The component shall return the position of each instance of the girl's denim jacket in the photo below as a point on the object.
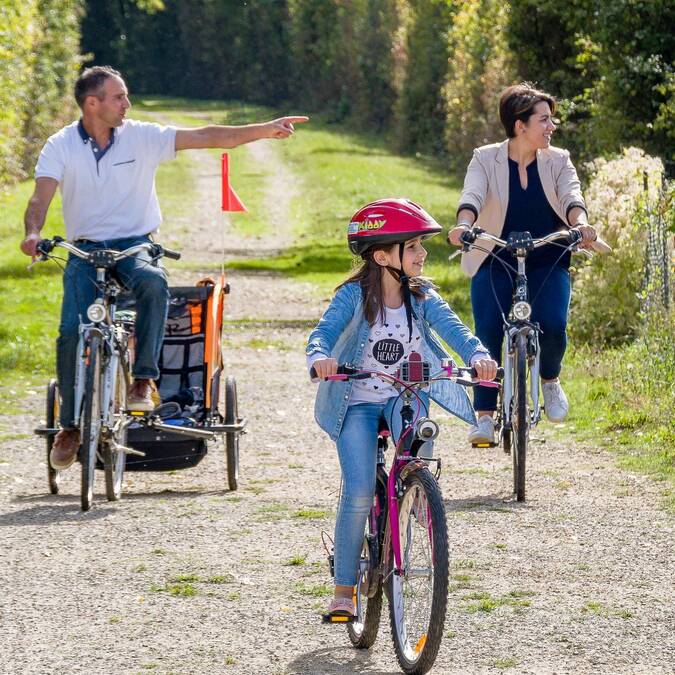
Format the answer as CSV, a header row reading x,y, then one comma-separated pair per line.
x,y
342,333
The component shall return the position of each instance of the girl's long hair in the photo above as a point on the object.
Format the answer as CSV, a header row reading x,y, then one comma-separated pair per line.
x,y
369,277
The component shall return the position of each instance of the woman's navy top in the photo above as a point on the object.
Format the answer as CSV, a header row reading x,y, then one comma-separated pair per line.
x,y
529,211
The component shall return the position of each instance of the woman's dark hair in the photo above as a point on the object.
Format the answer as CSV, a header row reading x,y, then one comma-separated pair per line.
x,y
517,103
90,82
369,277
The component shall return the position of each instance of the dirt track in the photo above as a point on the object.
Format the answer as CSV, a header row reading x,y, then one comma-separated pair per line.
x,y
184,577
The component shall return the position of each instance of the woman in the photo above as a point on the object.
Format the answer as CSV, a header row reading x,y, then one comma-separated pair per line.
x,y
522,184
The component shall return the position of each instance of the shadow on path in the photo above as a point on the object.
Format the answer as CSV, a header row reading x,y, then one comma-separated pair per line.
x,y
53,509
336,661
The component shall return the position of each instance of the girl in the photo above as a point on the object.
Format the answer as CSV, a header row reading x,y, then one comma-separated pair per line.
x,y
378,316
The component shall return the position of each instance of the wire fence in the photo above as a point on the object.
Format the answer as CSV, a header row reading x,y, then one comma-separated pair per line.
x,y
657,291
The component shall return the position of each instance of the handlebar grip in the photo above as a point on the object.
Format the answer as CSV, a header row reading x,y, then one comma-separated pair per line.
x,y
342,369
499,376
44,246
168,253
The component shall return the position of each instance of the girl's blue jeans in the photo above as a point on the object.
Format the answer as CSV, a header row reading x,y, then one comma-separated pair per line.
x,y
357,451
550,298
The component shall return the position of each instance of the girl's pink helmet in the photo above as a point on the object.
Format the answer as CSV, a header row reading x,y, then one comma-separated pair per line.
x,y
388,221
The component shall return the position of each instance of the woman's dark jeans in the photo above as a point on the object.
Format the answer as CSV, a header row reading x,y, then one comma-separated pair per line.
x,y
549,308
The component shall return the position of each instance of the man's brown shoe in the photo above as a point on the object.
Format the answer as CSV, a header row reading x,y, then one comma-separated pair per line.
x,y
64,450
139,397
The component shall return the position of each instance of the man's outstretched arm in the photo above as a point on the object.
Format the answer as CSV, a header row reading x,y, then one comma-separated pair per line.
x,y
219,136
36,212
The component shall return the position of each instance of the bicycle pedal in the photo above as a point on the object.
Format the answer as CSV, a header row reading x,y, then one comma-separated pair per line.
x,y
337,618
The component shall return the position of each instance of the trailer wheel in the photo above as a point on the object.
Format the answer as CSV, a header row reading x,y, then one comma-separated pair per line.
x,y
232,438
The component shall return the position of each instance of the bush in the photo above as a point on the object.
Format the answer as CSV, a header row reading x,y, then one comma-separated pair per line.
x,y
480,68
607,290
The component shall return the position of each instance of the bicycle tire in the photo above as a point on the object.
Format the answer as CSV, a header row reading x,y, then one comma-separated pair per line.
x,y
52,422
363,634
521,418
90,420
231,438
417,646
114,461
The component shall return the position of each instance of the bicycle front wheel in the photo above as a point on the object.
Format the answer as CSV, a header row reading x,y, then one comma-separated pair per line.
x,y
521,417
114,459
418,595
90,423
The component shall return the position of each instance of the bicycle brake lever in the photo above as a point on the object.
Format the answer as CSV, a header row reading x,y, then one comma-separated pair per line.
x,y
452,256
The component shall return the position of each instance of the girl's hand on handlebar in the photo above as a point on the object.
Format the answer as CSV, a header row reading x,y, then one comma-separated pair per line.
x,y
455,234
486,369
325,367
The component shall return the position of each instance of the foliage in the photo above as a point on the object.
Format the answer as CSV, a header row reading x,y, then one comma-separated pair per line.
x,y
613,63
480,68
606,306
421,108
38,60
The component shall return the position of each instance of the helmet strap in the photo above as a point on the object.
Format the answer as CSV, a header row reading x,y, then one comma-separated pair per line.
x,y
404,280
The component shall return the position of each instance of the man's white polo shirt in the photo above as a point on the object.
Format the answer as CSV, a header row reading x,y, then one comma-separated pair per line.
x,y
115,197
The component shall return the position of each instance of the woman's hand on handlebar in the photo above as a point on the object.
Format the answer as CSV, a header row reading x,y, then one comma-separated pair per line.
x,y
486,368
325,367
455,234
588,235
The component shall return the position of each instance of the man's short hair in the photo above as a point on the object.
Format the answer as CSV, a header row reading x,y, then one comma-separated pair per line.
x,y
90,83
517,103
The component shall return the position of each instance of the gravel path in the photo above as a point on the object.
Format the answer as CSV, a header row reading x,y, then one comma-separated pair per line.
x,y
184,577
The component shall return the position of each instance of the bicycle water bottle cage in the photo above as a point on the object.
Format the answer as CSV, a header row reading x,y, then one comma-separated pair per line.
x,y
414,369
101,258
520,241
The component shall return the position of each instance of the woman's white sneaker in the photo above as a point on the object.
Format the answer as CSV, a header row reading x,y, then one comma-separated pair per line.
x,y
483,432
556,406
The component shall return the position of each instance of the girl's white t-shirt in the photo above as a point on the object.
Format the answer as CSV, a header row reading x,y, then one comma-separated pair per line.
x,y
388,344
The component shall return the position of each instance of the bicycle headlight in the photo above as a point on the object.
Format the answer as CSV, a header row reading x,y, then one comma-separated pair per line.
x,y
522,310
96,312
426,429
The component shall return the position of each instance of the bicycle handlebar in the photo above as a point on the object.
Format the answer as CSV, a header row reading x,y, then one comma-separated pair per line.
x,y
46,246
346,371
572,236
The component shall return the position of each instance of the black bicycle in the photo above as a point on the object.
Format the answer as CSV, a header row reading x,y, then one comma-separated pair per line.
x,y
102,373
517,412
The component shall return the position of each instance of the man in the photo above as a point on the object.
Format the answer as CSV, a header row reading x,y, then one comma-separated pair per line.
x,y
105,166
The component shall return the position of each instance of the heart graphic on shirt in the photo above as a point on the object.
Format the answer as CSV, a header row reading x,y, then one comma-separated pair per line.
x,y
375,386
401,335
417,338
377,332
398,325
369,340
389,334
386,325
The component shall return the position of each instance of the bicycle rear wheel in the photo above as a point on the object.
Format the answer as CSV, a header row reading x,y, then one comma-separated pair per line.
x,y
521,417
52,422
90,424
364,633
114,459
418,596
231,438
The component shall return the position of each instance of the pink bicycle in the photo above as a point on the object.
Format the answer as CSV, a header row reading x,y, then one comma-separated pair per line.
x,y
405,549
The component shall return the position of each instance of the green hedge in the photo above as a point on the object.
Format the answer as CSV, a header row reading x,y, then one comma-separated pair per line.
x,y
39,58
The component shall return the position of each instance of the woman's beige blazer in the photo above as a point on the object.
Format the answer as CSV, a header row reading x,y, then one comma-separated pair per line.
x,y
486,191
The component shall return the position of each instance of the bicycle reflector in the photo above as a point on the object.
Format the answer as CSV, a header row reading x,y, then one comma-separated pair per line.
x,y
522,310
96,312
414,369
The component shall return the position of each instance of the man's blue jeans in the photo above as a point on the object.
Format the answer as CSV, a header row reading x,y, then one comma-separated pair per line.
x,y
550,306
357,451
148,284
